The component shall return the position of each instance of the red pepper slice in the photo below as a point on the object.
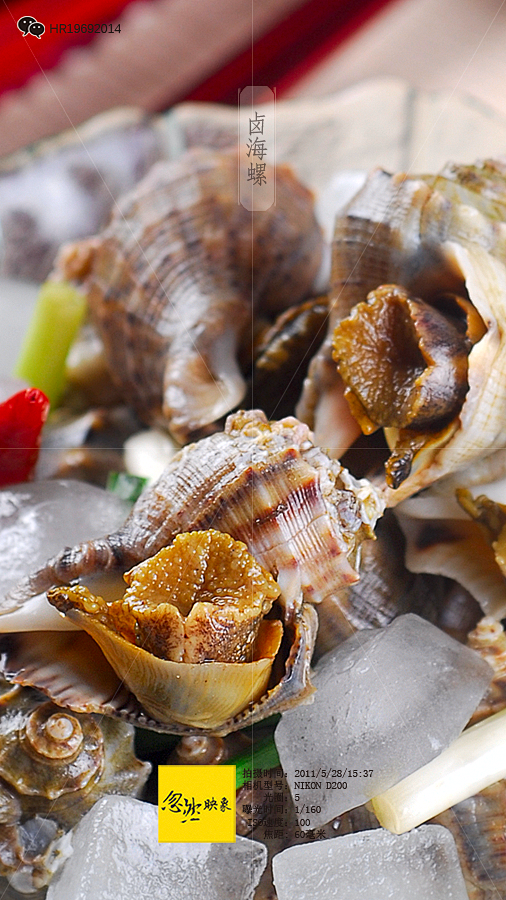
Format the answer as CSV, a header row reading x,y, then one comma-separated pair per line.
x,y
21,419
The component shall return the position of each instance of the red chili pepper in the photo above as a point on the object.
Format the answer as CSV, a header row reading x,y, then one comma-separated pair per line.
x,y
21,419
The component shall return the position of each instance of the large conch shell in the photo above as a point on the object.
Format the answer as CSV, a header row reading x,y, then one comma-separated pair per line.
x,y
303,518
301,515
175,278
434,236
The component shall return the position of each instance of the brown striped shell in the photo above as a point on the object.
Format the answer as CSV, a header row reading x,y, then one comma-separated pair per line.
x,y
489,640
301,515
281,353
434,236
303,518
174,280
477,824
386,590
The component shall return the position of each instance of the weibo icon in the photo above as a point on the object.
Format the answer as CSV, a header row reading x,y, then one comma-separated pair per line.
x,y
29,25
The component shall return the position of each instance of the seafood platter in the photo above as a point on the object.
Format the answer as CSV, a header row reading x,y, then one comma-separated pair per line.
x,y
253,510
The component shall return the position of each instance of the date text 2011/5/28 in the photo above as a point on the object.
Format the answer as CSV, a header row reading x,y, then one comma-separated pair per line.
x,y
332,773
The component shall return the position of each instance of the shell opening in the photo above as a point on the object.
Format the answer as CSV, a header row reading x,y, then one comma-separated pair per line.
x,y
404,363
201,386
190,636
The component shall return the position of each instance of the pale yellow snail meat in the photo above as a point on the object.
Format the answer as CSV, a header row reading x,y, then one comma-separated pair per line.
x,y
199,604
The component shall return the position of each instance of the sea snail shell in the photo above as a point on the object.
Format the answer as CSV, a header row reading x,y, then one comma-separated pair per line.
x,y
174,279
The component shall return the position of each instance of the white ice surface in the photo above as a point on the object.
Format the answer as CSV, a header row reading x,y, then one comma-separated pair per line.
x,y
117,857
373,865
40,518
387,701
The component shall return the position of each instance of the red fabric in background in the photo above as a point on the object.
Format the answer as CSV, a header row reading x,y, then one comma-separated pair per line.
x,y
21,57
290,50
278,59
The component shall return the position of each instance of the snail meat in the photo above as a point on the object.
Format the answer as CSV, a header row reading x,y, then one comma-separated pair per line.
x,y
302,518
189,636
440,241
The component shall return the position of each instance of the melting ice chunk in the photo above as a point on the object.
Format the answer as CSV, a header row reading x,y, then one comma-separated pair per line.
x,y
37,520
424,865
387,701
117,855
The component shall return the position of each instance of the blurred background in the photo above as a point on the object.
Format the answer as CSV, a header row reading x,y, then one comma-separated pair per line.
x,y
168,51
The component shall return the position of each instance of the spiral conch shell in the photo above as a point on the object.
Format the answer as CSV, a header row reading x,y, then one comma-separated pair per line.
x,y
302,517
54,765
173,282
442,240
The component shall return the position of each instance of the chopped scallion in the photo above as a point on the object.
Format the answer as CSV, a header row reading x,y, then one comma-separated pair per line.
x,y
127,487
261,755
58,314
474,761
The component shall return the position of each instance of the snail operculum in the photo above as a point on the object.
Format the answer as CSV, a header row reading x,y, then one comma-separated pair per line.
x,y
189,637
404,362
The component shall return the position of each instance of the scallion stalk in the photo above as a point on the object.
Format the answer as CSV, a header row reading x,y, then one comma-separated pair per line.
x,y
58,314
474,761
127,487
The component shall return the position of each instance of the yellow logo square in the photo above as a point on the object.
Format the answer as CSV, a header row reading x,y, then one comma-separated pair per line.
x,y
196,804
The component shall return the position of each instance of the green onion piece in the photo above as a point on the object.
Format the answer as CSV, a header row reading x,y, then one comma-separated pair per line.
x,y
261,755
474,761
58,314
127,487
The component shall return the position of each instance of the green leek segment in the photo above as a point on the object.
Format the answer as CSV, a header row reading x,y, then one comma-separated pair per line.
x,y
57,317
475,760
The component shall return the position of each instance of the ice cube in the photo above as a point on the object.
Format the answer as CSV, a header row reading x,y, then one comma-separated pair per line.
x,y
387,701
424,865
40,518
117,857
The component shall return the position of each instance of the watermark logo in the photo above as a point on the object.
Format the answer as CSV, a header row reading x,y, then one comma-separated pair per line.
x,y
29,25
195,803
